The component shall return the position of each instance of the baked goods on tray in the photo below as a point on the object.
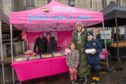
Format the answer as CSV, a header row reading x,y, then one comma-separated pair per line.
x,y
59,53
34,57
28,52
21,58
48,55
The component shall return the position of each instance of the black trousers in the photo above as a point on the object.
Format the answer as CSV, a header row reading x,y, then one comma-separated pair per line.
x,y
94,69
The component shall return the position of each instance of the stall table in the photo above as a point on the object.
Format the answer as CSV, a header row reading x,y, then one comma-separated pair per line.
x,y
27,70
113,51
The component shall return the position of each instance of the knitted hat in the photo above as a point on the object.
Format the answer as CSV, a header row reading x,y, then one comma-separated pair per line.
x,y
89,33
79,24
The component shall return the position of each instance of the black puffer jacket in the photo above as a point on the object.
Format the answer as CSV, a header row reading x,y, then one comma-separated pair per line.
x,y
51,46
41,44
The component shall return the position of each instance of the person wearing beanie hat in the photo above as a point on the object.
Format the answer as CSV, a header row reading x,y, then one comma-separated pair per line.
x,y
92,50
79,38
90,33
79,24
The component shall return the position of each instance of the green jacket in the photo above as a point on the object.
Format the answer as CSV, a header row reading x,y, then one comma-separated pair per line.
x,y
83,69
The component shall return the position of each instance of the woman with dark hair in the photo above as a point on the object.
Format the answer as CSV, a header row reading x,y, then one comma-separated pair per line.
x,y
117,36
51,43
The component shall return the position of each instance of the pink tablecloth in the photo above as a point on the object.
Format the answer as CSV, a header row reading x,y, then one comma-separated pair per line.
x,y
40,68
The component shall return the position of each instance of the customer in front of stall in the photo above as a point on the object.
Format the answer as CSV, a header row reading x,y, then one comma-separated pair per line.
x,y
117,36
98,36
72,60
79,38
40,45
51,43
92,50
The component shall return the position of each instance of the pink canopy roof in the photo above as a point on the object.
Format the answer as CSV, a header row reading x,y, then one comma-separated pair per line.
x,y
54,17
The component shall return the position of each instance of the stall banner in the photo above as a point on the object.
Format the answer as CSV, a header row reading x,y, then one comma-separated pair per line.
x,y
44,17
105,34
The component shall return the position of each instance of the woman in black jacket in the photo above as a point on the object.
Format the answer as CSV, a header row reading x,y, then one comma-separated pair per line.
x,y
51,43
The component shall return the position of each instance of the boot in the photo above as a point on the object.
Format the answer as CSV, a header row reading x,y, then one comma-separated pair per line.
x,y
74,82
85,80
98,80
95,80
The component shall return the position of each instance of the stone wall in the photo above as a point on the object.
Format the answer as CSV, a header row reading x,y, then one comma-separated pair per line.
x,y
7,6
18,5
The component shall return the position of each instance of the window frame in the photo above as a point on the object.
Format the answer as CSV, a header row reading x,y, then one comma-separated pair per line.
x,y
48,1
69,2
29,3
104,3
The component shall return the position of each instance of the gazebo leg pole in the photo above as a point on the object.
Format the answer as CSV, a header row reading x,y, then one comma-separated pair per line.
x,y
12,54
2,60
105,44
118,57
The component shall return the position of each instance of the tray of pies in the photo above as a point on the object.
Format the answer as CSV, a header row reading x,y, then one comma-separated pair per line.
x,y
59,53
34,57
47,55
21,58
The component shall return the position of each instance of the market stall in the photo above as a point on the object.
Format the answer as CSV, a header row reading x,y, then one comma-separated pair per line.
x,y
27,70
57,18
114,16
122,47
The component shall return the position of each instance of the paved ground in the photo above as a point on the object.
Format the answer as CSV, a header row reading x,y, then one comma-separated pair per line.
x,y
114,77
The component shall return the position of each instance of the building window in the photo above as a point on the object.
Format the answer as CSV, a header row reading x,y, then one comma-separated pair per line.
x,y
118,2
49,1
18,5
29,3
71,2
104,3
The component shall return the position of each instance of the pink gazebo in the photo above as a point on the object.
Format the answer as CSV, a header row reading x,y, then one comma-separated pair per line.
x,y
53,17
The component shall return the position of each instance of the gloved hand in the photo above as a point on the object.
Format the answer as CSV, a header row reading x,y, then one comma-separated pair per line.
x,y
67,51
